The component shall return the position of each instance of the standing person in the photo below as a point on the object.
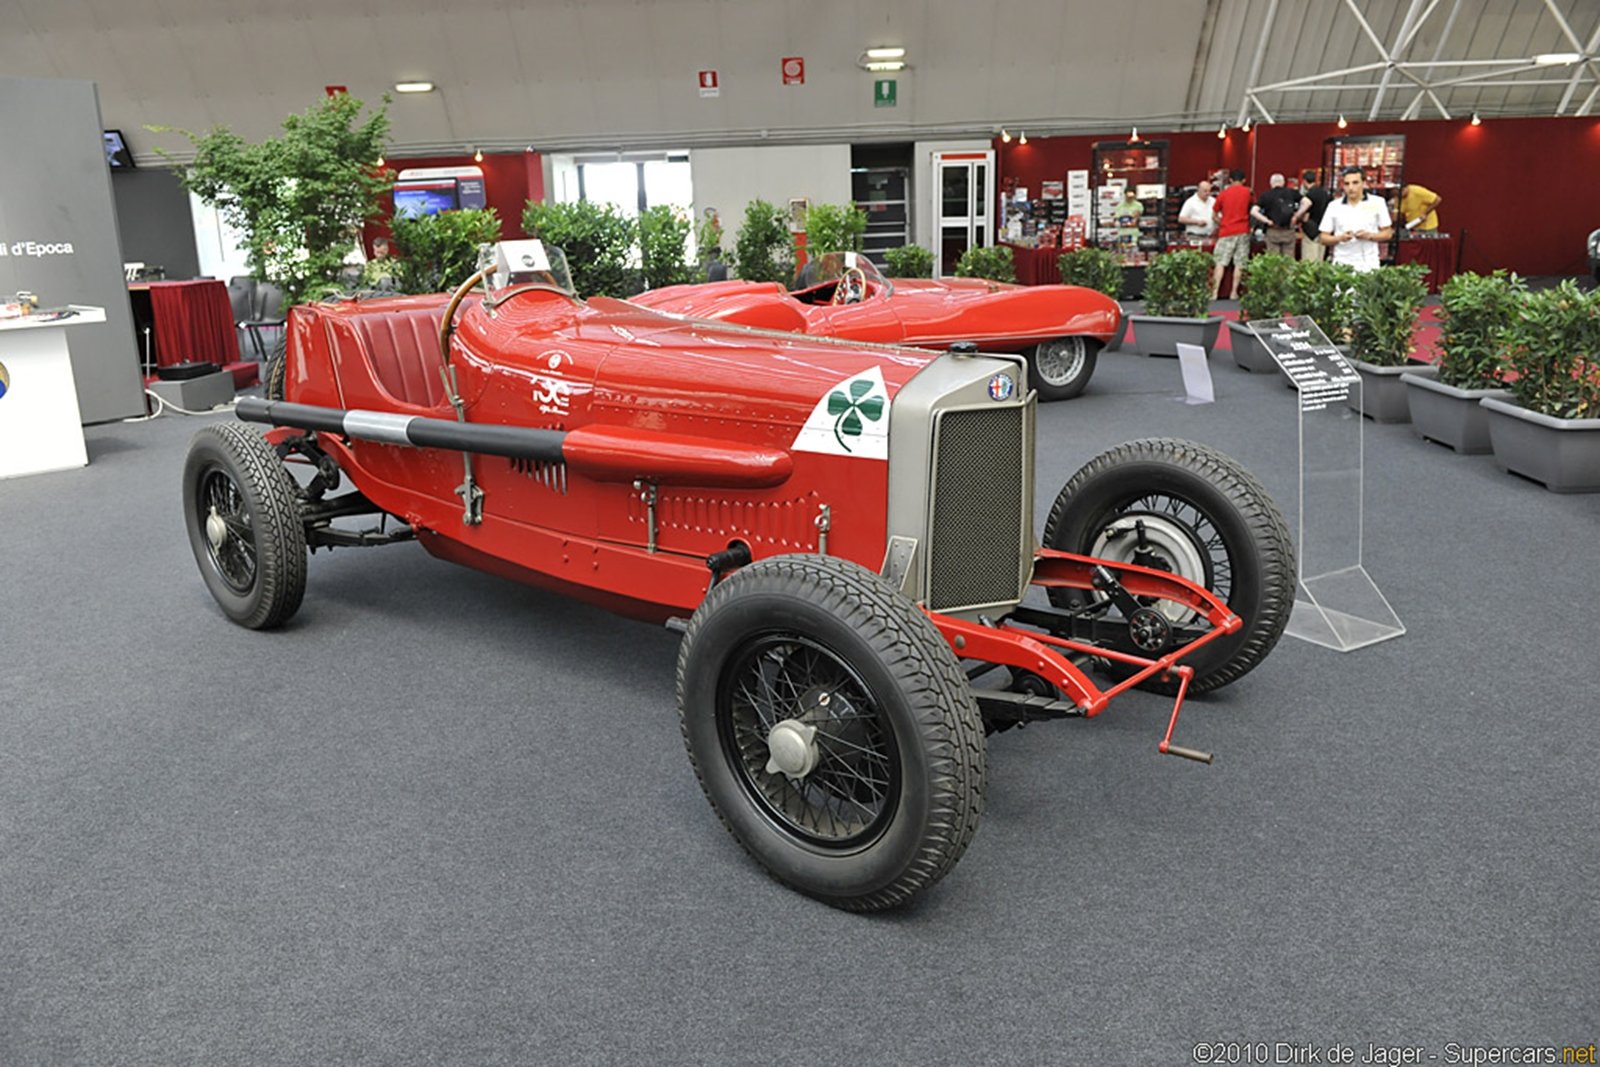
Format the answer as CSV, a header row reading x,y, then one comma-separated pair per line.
x,y
1419,207
1198,214
1313,203
1276,210
1353,225
1127,214
1233,233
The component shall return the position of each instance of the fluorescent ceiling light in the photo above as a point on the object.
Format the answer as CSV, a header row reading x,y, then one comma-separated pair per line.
x,y
1556,59
886,53
413,87
886,64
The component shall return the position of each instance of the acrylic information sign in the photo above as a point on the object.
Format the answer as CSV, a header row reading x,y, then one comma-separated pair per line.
x,y
1337,604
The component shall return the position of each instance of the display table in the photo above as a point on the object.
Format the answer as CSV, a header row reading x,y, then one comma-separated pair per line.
x,y
40,429
1036,266
1438,254
189,322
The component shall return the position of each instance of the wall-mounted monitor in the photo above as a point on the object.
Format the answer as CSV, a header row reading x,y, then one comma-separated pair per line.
x,y
414,199
118,155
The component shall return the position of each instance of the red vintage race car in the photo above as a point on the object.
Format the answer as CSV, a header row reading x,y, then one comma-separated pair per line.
x,y
842,532
1059,329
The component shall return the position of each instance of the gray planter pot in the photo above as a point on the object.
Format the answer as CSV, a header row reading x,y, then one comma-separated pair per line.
x,y
1561,454
1450,416
1248,351
1160,335
1383,394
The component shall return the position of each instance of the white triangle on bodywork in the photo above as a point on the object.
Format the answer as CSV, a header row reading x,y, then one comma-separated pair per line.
x,y
828,429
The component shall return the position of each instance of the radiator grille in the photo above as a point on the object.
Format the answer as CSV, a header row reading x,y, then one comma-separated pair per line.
x,y
979,494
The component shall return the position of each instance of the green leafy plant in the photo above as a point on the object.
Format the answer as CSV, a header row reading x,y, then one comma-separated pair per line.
x,y
1325,293
1386,304
994,263
1178,284
908,261
1553,345
597,238
1474,310
708,239
1092,268
765,250
834,228
435,253
298,199
664,246
1266,287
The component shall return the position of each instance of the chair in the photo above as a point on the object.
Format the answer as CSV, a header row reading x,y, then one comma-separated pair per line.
x,y
266,316
242,299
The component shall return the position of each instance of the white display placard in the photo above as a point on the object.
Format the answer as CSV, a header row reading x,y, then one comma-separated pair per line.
x,y
40,428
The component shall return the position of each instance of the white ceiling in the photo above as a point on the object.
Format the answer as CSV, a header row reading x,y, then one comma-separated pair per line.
x,y
618,74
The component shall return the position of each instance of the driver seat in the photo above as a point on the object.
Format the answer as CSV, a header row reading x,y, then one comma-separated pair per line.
x,y
402,347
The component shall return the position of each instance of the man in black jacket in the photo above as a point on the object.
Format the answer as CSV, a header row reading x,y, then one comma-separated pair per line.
x,y
1313,202
1276,210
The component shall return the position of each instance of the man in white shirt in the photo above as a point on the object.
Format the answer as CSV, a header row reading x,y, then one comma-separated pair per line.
x,y
1196,214
1352,227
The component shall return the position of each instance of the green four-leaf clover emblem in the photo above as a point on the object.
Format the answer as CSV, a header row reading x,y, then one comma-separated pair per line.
x,y
848,411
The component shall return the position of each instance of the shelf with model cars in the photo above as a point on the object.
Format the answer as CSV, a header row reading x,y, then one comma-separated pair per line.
x,y
1118,168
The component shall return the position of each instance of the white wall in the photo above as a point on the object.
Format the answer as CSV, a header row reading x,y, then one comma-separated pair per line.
x,y
729,178
922,186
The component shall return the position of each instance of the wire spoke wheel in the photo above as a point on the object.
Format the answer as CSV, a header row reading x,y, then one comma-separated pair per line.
x,y
230,535
844,798
1060,369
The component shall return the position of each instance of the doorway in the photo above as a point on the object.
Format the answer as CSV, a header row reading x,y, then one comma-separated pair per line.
x,y
962,218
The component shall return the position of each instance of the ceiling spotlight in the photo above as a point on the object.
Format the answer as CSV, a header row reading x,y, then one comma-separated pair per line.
x,y
413,87
477,155
1246,127
1222,133
381,160
1476,121
1135,137
886,53
1342,122
1023,138
1556,59
1005,135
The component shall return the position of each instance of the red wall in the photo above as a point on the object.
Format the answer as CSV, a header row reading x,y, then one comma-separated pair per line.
x,y
1523,192
509,181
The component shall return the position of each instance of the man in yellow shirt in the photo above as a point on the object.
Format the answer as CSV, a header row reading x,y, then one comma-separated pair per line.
x,y
1419,207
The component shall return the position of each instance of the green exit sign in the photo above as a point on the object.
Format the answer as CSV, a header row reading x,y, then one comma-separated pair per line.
x,y
883,91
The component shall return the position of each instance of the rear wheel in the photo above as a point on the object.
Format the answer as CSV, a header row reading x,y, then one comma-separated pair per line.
x,y
1060,369
244,524
1190,510
832,730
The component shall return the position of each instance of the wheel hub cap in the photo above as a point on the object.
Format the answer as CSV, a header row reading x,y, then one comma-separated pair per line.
x,y
792,749
1155,541
216,529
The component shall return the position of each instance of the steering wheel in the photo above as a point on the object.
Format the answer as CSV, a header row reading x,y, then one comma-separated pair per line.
x,y
852,287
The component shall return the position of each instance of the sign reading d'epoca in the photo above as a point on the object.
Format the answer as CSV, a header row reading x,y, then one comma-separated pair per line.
x,y
36,248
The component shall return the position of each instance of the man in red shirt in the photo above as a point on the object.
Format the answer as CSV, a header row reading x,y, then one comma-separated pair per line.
x,y
1233,232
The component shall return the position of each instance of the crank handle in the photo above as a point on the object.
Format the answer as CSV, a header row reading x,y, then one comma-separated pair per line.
x,y
1187,753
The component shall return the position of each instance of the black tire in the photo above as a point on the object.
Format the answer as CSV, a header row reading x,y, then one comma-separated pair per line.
x,y
1060,369
1205,518
253,556
897,786
276,370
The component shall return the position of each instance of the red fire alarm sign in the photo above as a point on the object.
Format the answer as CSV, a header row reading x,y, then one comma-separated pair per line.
x,y
794,70
708,83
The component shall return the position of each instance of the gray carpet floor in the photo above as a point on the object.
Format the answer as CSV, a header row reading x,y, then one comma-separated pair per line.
x,y
444,819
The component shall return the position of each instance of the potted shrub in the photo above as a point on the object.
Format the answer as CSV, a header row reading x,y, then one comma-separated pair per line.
x,y
1551,432
1092,268
834,228
908,261
664,246
764,249
1474,311
597,238
1177,295
436,253
1383,325
994,263
1265,296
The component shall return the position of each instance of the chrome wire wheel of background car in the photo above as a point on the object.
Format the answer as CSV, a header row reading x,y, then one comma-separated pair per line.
x,y
1187,509
832,730
811,747
244,524
1060,369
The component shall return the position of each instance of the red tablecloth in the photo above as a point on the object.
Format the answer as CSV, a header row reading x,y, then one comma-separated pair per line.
x,y
193,322
1438,254
1036,266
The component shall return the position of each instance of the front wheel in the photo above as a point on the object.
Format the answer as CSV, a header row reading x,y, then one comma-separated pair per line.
x,y
1190,510
1060,369
832,730
244,525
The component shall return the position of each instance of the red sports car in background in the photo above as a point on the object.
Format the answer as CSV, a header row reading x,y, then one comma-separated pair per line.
x,y
1059,328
